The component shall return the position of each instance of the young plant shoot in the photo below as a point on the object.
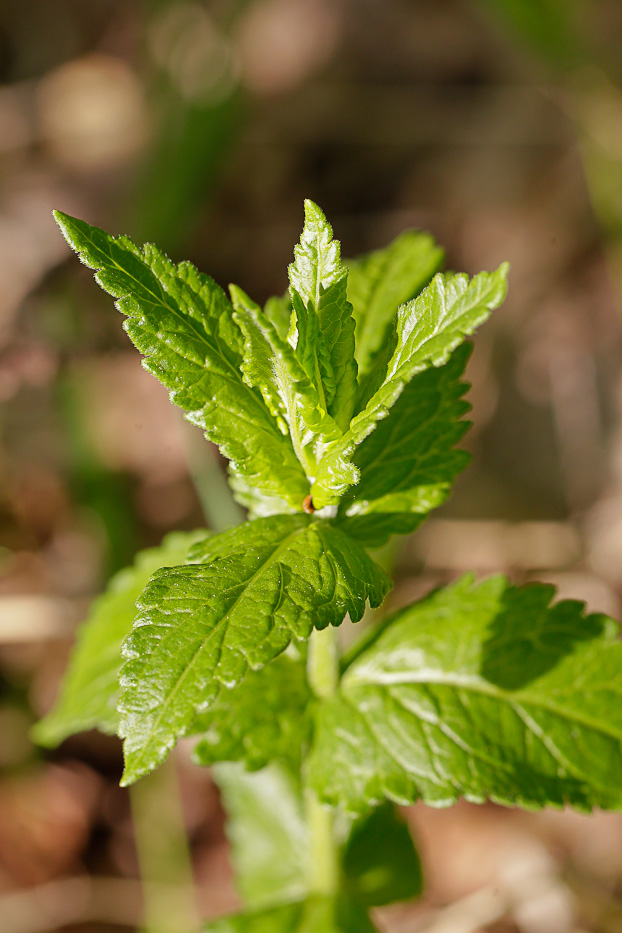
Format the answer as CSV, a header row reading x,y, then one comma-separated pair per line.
x,y
338,407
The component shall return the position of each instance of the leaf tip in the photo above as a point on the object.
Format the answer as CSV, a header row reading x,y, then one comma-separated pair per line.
x,y
44,734
76,232
66,224
313,212
503,272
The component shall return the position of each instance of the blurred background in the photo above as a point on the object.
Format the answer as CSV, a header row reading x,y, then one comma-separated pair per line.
x,y
495,124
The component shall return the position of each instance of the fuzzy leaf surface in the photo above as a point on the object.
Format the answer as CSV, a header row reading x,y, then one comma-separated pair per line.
x,y
182,323
318,285
381,281
265,717
483,691
90,691
427,332
409,463
251,592
314,915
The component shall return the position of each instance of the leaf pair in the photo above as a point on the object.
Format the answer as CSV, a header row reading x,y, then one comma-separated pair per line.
x,y
486,691
277,389
483,691
247,594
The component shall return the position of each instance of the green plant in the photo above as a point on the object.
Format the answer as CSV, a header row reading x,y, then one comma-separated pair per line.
x,y
338,408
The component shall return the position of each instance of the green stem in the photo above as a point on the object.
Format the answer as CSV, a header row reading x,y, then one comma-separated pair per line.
x,y
163,854
323,674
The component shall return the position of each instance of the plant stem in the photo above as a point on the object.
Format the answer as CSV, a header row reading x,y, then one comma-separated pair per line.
x,y
323,674
323,662
163,854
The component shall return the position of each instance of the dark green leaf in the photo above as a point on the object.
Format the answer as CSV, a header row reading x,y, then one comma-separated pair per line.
x,y
267,716
409,462
201,626
90,691
486,692
380,862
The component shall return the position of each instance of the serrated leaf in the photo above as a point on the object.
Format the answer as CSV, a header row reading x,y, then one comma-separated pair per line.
x,y
381,281
270,364
314,915
428,330
200,627
380,863
90,690
408,464
182,323
265,717
319,279
267,832
485,692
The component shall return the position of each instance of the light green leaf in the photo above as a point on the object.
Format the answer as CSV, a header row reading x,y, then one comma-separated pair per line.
x,y
258,504
380,863
200,627
485,692
267,716
90,690
278,310
271,851
270,364
267,832
312,352
319,279
408,464
381,281
315,915
428,330
182,323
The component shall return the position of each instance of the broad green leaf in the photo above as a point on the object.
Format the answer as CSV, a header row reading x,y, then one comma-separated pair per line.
x,y
483,691
315,915
380,282
270,365
319,279
267,716
254,590
380,862
428,330
408,464
90,690
182,323
267,832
